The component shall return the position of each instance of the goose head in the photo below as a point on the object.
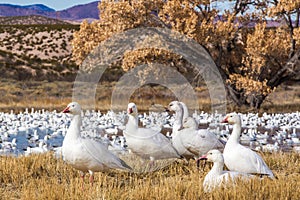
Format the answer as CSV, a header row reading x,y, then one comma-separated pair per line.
x,y
73,108
132,109
213,155
232,118
175,106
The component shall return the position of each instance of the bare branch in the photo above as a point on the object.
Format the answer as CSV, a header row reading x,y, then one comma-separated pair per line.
x,y
289,68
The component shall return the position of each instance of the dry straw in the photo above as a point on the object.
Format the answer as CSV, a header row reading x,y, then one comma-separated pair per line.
x,y
45,177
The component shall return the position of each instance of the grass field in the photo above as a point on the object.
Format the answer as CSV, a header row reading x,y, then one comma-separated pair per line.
x,y
18,95
45,177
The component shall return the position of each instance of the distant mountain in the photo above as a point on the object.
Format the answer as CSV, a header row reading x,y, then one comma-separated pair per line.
x,y
16,10
40,7
78,12
75,13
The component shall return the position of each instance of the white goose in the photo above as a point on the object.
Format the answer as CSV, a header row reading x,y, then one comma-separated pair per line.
x,y
238,157
216,177
188,140
86,154
146,142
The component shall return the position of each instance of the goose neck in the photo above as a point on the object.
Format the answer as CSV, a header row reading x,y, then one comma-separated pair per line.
x,y
217,168
74,129
178,120
132,122
236,131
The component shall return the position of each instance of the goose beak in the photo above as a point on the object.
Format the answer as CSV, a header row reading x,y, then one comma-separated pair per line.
x,y
204,157
130,110
167,109
225,120
66,110
201,158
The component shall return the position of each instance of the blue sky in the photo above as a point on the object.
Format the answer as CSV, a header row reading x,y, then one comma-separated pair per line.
x,y
55,4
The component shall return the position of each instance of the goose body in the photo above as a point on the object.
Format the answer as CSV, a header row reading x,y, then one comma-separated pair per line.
x,y
146,142
86,154
217,177
240,158
188,140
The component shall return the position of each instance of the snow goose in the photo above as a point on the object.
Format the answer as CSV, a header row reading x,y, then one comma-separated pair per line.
x,y
216,177
188,140
42,148
86,154
146,142
182,118
238,157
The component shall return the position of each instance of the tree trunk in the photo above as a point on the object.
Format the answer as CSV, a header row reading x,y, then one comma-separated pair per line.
x,y
257,100
238,97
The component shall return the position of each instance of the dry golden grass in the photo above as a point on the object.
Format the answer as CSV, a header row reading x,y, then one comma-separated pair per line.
x,y
45,177
17,95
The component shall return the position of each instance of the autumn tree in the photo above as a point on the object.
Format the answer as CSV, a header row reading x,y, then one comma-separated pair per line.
x,y
252,57
271,52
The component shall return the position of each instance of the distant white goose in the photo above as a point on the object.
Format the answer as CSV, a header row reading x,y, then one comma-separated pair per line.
x,y
188,140
42,148
146,142
238,157
216,177
86,154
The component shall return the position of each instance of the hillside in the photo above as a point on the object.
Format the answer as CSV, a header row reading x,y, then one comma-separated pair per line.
x,y
37,52
30,20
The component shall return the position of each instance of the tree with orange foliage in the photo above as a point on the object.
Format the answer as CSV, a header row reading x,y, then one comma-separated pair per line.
x,y
252,59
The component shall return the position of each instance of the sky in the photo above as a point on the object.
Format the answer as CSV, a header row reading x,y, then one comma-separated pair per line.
x,y
55,4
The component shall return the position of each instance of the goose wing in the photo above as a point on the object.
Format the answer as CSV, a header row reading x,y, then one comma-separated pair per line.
x,y
102,155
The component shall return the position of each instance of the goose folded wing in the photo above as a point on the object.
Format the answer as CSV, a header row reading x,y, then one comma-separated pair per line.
x,y
101,154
